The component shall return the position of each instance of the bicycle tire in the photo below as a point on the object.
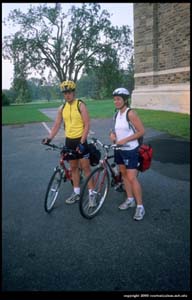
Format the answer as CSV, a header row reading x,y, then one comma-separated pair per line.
x,y
52,190
100,177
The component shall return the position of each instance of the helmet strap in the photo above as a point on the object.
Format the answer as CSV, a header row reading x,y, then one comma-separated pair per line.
x,y
122,106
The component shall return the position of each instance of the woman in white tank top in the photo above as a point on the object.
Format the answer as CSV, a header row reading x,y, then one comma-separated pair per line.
x,y
128,128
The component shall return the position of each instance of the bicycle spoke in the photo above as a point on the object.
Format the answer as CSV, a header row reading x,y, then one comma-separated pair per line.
x,y
100,179
52,190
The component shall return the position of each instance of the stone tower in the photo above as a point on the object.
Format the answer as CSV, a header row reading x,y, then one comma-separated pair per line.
x,y
162,56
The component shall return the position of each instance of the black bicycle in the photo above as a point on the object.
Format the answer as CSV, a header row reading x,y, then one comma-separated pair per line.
x,y
62,173
102,177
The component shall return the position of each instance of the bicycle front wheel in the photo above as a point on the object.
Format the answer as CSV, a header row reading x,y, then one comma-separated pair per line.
x,y
52,190
91,205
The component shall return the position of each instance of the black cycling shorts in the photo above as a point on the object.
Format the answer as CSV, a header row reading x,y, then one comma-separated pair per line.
x,y
72,144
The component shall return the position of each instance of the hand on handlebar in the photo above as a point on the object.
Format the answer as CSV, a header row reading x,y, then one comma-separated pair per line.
x,y
116,146
46,141
81,148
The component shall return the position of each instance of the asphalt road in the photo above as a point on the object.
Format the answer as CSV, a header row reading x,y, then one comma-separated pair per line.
x,y
62,251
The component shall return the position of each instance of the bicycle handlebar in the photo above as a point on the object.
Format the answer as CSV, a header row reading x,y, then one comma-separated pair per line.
x,y
62,148
105,146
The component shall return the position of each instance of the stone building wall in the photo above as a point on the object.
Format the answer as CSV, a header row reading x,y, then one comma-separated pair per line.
x,y
162,56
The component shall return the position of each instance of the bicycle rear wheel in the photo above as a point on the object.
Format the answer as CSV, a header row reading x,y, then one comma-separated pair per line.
x,y
100,178
52,190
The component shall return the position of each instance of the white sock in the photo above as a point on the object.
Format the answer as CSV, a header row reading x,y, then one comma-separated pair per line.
x,y
129,199
90,191
77,190
140,205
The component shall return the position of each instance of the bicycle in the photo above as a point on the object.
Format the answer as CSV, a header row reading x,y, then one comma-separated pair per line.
x,y
62,172
101,176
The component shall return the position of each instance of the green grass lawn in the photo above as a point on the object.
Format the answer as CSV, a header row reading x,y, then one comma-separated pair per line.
x,y
173,123
176,124
26,113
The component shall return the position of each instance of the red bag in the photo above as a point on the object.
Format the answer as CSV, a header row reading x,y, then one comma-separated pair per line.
x,y
145,157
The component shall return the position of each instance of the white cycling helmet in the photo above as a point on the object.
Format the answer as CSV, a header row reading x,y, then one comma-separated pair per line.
x,y
122,92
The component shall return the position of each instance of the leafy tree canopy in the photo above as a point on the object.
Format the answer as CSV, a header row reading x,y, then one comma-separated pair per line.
x,y
66,43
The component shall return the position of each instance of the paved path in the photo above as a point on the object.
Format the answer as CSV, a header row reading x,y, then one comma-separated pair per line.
x,y
65,252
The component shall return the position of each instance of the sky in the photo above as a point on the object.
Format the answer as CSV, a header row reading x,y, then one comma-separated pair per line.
x,y
121,14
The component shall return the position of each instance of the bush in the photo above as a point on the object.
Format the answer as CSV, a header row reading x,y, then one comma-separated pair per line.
x,y
5,100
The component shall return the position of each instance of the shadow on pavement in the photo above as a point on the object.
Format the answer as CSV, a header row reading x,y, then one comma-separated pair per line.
x,y
171,151
171,157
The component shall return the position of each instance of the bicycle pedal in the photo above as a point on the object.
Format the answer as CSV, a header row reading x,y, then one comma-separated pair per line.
x,y
118,188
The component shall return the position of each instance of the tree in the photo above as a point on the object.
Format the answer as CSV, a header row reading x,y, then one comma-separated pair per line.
x,y
108,74
131,80
10,93
34,85
48,41
5,100
88,86
22,91
20,85
128,80
41,90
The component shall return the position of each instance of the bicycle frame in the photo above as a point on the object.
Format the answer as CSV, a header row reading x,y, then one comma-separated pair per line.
x,y
64,151
102,177
61,172
115,180
67,171
105,161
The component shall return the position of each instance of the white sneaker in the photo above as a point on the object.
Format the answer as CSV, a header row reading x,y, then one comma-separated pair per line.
x,y
92,200
126,204
73,198
139,213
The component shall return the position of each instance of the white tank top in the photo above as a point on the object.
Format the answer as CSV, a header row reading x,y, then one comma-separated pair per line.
x,y
123,130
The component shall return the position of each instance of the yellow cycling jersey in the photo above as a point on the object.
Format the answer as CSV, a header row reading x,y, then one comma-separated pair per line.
x,y
73,121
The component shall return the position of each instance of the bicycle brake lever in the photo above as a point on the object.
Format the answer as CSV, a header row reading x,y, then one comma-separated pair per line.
x,y
113,146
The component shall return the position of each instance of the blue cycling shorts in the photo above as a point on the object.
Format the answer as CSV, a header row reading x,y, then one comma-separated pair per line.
x,y
129,158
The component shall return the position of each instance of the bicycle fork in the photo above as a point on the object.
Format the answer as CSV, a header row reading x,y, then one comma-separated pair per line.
x,y
99,183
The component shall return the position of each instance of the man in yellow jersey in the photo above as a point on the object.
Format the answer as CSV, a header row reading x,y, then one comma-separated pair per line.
x,y
76,120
